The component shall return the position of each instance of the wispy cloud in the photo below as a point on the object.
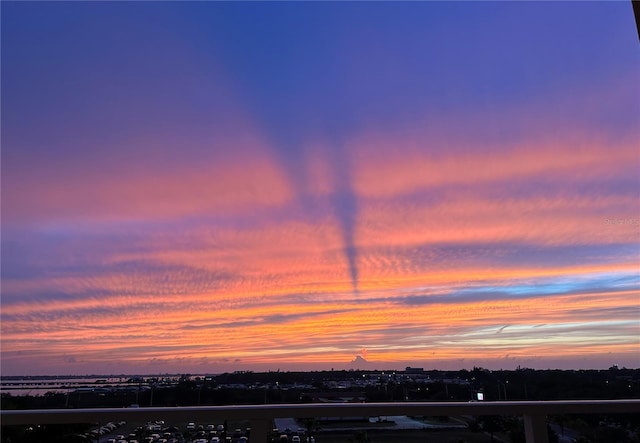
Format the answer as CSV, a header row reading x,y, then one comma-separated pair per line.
x,y
289,201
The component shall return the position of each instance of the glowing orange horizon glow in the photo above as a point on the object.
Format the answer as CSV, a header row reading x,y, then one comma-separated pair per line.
x,y
364,201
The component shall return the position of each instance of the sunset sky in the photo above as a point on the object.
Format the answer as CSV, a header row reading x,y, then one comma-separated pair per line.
x,y
207,187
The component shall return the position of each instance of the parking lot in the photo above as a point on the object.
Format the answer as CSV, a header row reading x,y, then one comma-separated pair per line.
x,y
184,432
239,432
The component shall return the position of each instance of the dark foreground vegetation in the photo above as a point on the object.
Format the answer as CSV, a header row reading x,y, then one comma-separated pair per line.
x,y
412,384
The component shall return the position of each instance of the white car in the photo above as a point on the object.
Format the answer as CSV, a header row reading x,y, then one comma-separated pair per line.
x,y
191,426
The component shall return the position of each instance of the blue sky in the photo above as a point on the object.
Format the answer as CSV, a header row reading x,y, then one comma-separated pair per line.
x,y
218,186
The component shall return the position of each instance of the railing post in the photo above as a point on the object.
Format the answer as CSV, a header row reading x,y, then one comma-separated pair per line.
x,y
535,428
259,430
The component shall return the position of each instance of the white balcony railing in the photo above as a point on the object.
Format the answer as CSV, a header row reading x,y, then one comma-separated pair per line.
x,y
261,416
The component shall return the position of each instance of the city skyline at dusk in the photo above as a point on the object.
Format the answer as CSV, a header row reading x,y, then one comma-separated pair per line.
x,y
214,186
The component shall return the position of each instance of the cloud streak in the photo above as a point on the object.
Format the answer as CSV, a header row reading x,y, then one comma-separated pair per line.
x,y
286,185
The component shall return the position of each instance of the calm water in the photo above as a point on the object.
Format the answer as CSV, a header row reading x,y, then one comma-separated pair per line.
x,y
17,386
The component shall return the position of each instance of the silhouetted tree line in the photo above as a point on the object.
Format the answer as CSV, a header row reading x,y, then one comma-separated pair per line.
x,y
299,387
